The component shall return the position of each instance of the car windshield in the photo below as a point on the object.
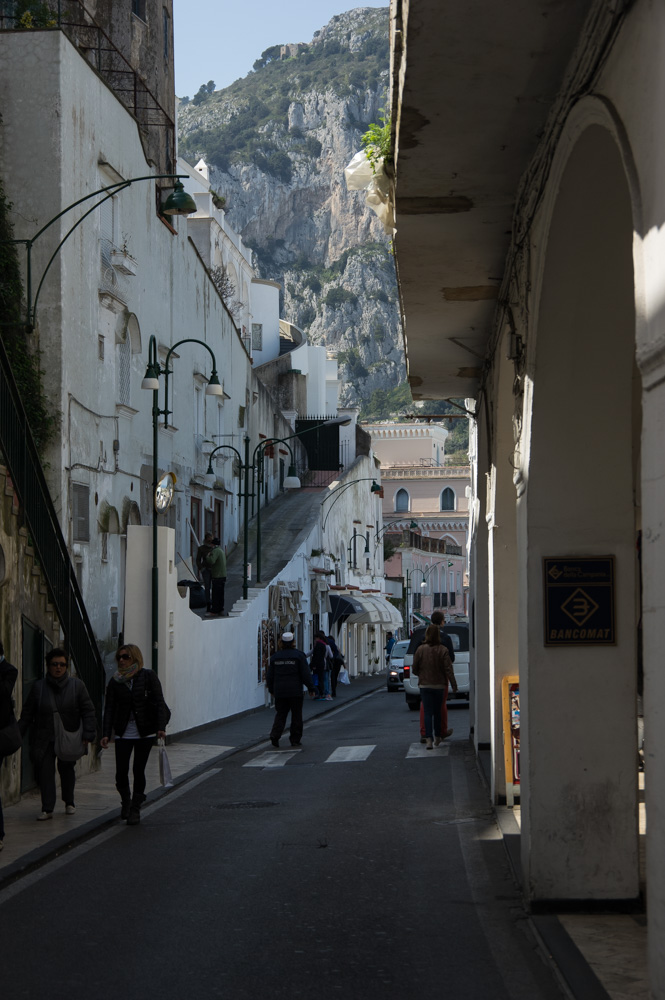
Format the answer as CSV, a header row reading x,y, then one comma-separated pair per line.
x,y
399,649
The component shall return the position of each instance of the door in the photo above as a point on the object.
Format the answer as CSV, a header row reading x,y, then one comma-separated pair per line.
x,y
35,647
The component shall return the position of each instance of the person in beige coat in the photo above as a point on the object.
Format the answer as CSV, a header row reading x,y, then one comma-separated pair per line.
x,y
434,669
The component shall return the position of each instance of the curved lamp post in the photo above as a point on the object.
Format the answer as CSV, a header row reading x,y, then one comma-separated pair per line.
x,y
375,488
178,203
291,482
151,383
352,542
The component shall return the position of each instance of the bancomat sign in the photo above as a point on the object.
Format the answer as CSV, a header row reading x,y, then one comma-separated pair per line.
x,y
579,601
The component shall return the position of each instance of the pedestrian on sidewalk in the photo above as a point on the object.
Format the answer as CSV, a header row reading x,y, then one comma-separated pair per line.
x,y
437,619
136,712
57,693
216,561
205,575
321,658
390,642
433,668
8,675
337,664
287,673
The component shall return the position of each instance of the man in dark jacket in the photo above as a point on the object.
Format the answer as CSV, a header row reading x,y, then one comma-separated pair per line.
x,y
8,675
287,673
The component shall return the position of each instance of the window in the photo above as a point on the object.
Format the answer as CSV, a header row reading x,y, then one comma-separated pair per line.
x,y
138,8
195,521
447,499
114,623
452,598
257,336
81,512
416,602
165,21
100,347
401,501
198,409
105,546
124,371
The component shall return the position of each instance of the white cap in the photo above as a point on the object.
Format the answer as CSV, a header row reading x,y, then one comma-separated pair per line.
x,y
287,636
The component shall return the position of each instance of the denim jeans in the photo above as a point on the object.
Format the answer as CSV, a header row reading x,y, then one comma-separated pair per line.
x,y
432,699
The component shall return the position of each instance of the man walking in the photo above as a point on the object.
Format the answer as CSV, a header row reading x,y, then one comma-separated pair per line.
x,y
436,618
287,672
216,562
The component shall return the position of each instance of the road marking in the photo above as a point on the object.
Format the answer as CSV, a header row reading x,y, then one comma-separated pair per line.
x,y
343,754
77,852
274,758
420,750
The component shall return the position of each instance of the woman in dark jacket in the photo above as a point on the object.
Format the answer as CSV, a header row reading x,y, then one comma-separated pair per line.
x,y
136,711
68,696
433,668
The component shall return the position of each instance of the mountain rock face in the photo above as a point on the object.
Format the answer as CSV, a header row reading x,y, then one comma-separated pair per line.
x,y
277,143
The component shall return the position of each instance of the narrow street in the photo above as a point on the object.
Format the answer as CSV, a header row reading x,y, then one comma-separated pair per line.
x,y
363,865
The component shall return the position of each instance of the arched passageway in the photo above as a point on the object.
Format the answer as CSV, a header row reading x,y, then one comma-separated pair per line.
x,y
579,747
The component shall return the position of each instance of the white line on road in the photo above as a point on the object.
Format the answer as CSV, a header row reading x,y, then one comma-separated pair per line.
x,y
276,758
77,852
343,754
420,750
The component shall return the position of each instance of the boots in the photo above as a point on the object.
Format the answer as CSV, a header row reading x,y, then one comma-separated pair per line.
x,y
126,804
134,817
428,743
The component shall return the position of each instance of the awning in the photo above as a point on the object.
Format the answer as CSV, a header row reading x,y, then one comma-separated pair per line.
x,y
343,605
376,611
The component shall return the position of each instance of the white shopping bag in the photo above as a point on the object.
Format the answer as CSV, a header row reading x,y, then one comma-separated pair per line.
x,y
164,767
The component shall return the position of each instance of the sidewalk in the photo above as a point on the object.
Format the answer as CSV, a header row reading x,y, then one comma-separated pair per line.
x,y
29,844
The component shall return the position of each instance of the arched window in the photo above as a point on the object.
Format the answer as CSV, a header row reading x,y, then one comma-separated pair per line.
x,y
401,501
447,499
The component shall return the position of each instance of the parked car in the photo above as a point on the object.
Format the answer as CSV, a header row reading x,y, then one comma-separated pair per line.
x,y
396,664
458,632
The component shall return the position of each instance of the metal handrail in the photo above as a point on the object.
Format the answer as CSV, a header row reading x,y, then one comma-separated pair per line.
x,y
22,460
72,17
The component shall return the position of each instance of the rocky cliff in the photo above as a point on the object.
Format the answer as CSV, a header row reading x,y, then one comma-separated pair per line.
x,y
277,142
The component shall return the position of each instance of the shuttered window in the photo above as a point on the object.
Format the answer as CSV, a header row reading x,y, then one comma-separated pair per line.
x,y
81,512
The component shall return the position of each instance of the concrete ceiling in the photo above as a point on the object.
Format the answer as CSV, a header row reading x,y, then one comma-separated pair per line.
x,y
474,82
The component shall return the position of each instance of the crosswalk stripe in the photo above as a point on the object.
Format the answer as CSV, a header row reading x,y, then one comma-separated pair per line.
x,y
344,754
420,750
271,759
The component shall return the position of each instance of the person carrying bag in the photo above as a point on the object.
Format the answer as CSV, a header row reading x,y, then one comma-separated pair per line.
x,y
62,717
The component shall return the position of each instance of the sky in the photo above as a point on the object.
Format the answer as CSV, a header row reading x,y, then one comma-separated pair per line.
x,y
221,39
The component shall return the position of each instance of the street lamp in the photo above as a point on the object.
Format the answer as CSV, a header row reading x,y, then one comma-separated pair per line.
x,y
291,482
159,505
352,541
175,204
375,488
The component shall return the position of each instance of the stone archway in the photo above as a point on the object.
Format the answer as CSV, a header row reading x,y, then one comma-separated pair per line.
x,y
579,776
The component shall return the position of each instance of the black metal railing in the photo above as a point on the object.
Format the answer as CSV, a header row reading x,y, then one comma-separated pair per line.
x,y
22,460
98,49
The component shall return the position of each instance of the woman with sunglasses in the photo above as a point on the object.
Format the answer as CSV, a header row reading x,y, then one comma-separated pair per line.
x,y
136,712
57,693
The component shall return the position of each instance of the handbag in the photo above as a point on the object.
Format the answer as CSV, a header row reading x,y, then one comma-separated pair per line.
x,y
10,738
344,676
68,746
165,778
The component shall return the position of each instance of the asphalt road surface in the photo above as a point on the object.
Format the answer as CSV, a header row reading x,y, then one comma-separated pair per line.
x,y
363,866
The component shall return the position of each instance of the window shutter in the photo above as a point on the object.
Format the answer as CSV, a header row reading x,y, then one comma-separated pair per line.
x,y
81,512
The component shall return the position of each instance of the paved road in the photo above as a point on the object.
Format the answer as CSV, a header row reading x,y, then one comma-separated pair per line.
x,y
362,866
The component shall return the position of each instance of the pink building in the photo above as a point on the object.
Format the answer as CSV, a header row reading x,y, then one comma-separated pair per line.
x,y
425,514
